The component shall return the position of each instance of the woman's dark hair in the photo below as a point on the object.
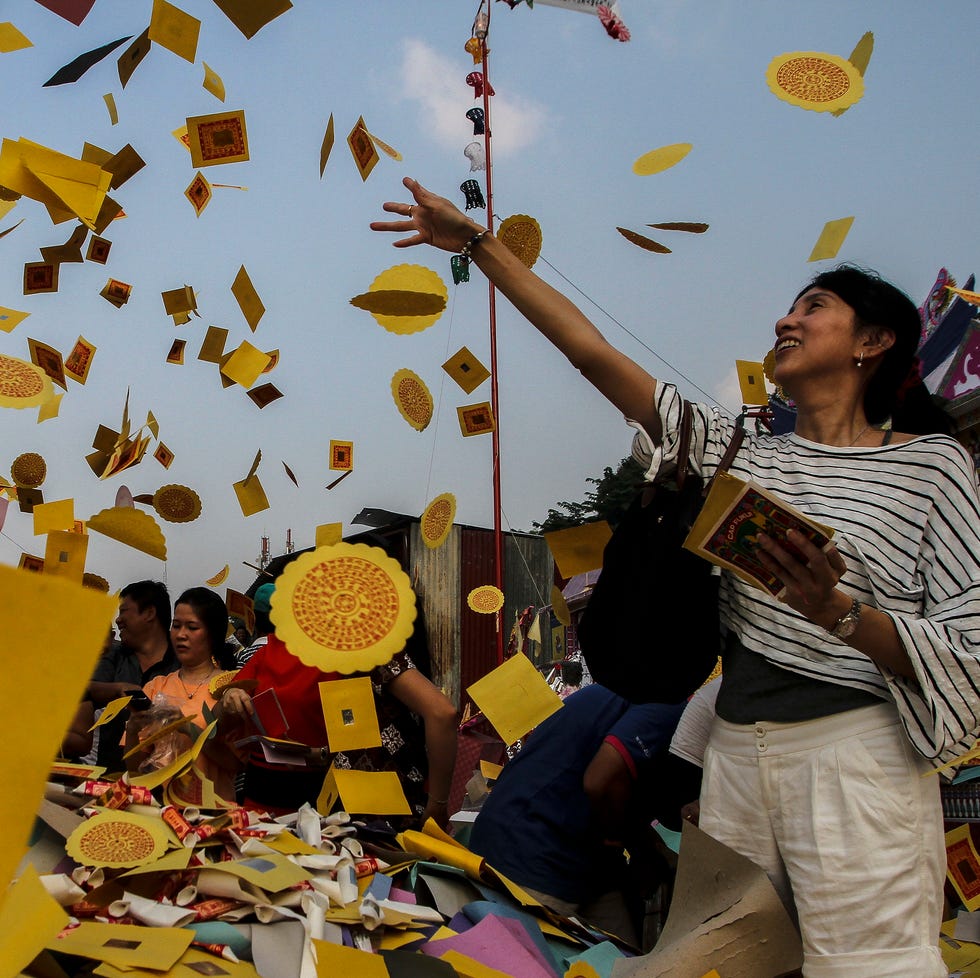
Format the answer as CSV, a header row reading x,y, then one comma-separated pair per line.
x,y
209,607
571,672
894,390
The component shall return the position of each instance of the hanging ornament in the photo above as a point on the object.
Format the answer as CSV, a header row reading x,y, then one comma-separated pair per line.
x,y
614,26
460,269
474,195
475,80
477,117
475,154
472,46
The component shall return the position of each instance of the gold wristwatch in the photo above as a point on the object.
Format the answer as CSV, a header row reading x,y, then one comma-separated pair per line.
x,y
845,625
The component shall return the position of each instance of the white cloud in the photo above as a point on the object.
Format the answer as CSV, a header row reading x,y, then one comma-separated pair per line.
x,y
436,84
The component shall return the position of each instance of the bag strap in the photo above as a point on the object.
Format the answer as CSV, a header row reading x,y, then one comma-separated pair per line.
x,y
726,460
684,444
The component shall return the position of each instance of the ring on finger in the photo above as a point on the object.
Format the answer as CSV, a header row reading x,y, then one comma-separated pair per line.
x,y
411,207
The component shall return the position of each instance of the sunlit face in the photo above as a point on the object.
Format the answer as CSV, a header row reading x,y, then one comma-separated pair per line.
x,y
817,337
190,637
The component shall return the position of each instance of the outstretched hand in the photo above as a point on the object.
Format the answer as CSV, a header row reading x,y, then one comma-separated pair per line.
x,y
429,220
811,582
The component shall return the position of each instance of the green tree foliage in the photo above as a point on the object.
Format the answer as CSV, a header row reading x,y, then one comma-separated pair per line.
x,y
608,501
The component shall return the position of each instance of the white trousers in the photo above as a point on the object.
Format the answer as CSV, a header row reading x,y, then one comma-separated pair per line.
x,y
837,812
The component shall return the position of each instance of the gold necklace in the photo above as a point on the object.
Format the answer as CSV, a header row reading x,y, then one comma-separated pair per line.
x,y
191,694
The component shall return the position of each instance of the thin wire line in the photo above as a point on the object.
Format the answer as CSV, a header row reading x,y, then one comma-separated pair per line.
x,y
633,335
13,541
527,566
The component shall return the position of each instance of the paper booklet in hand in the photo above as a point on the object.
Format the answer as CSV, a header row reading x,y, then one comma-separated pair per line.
x,y
735,512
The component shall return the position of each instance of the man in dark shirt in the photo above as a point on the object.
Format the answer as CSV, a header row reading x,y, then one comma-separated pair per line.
x,y
583,787
142,652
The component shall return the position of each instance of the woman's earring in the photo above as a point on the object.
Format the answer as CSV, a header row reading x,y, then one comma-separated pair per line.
x,y
860,362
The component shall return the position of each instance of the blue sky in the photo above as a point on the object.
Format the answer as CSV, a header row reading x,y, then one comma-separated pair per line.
x,y
573,109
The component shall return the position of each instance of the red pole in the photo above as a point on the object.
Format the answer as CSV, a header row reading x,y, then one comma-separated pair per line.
x,y
498,538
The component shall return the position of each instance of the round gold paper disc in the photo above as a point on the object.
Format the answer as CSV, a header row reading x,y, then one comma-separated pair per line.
x,y
346,607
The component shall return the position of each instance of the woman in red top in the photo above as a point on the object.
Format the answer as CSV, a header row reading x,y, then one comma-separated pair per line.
x,y
417,721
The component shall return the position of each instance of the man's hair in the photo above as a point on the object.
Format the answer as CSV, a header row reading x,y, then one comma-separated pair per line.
x,y
146,594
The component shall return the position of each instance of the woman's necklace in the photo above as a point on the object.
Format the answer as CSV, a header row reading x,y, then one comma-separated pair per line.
x,y
191,693
860,435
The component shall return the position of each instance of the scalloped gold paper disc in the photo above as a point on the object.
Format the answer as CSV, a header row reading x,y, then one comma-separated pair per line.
x,y
177,504
132,527
485,599
29,470
22,384
437,520
346,607
412,398
815,81
117,840
521,234
96,582
410,278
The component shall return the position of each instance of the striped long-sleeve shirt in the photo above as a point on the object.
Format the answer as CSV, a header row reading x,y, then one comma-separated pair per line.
x,y
907,517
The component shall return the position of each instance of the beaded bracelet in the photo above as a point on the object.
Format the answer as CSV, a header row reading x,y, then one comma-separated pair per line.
x,y
467,249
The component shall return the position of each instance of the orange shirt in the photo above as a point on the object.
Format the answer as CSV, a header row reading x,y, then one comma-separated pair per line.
x,y
192,706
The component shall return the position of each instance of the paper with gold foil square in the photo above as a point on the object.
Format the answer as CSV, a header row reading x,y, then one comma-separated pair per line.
x,y
199,193
831,239
363,792
476,419
123,165
70,251
64,554
213,347
31,563
98,249
116,292
466,370
10,319
176,354
326,146
250,16
514,697
40,277
328,534
64,626
163,455
179,300
362,148
56,515
213,83
172,28
349,714
341,455
217,138
130,59
247,298
251,496
752,382
49,360
264,394
577,549
78,363
50,408
245,364
12,39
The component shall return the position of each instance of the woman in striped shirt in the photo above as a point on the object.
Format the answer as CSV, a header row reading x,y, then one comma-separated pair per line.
x,y
838,699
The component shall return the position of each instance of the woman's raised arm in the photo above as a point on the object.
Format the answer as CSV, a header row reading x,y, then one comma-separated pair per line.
x,y
436,221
